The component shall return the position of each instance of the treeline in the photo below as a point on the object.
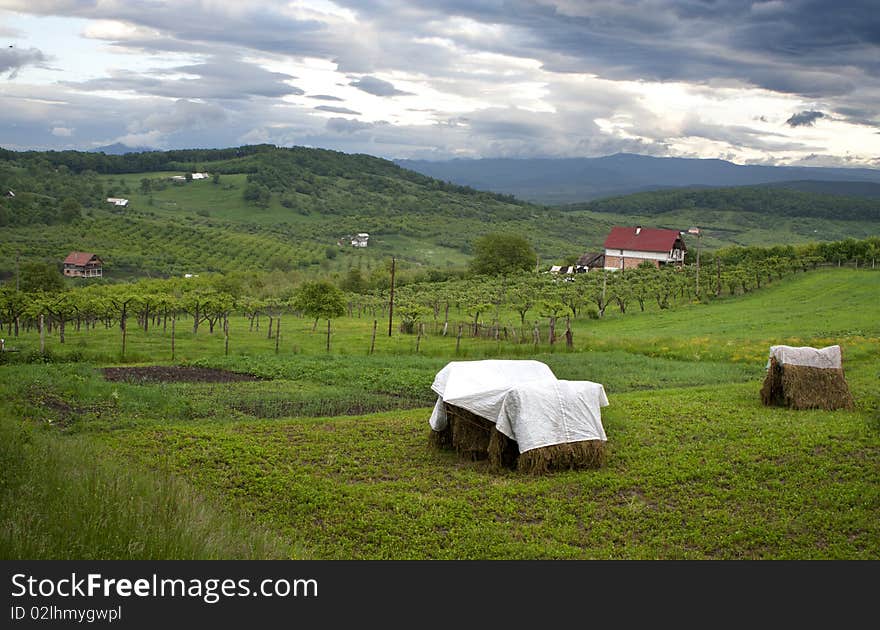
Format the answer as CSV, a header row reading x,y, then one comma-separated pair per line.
x,y
847,251
507,307
278,169
141,162
765,200
38,194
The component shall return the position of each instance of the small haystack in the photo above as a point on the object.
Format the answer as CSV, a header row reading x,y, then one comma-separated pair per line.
x,y
806,378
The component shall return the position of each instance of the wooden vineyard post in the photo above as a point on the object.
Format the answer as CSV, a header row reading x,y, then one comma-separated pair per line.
x,y
419,338
43,336
173,323
277,332
328,335
569,341
391,299
458,339
536,335
373,340
226,336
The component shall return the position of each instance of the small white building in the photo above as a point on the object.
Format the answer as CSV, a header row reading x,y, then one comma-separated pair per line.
x,y
200,176
360,240
117,201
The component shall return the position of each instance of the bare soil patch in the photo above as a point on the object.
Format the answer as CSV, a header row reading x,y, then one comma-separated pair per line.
x,y
174,374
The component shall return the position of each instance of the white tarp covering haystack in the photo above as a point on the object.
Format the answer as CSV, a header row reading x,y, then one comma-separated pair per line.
x,y
806,378
484,407
825,358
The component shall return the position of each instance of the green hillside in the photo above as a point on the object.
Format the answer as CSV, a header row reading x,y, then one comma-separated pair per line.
x,y
270,208
266,208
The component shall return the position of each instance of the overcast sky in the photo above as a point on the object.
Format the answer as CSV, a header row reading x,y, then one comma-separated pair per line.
x,y
778,81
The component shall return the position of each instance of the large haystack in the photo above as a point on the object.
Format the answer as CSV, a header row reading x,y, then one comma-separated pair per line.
x,y
475,438
806,378
569,456
517,415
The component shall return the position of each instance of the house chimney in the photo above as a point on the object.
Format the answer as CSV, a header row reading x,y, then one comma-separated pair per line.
x,y
638,229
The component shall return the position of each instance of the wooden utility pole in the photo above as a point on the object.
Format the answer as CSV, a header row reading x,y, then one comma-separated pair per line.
x,y
391,299
699,247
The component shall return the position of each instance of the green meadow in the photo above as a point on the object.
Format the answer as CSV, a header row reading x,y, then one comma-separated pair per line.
x,y
326,455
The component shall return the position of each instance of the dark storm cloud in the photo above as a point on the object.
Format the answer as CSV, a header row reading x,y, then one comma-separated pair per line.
x,y
13,59
805,47
215,79
785,46
336,110
804,119
377,87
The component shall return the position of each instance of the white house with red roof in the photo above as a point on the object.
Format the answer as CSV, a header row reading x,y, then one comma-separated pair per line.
x,y
628,247
83,265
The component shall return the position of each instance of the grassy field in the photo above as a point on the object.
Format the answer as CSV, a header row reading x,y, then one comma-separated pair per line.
x,y
327,456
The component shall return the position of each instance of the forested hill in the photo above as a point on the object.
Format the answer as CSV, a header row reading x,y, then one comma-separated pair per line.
x,y
274,167
771,201
42,187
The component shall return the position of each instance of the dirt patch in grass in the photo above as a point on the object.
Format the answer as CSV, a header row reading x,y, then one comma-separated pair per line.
x,y
62,413
175,374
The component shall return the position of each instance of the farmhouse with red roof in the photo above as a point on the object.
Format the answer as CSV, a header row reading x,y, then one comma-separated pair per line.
x,y
83,265
628,247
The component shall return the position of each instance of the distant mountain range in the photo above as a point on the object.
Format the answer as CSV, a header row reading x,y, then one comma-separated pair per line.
x,y
572,180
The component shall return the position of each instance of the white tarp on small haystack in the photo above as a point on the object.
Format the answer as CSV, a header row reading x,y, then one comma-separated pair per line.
x,y
524,399
825,358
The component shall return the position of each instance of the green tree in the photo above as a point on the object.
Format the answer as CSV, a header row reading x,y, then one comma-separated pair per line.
x,y
37,276
501,254
320,300
69,210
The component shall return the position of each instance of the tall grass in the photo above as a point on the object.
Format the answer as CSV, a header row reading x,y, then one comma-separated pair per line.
x,y
64,497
